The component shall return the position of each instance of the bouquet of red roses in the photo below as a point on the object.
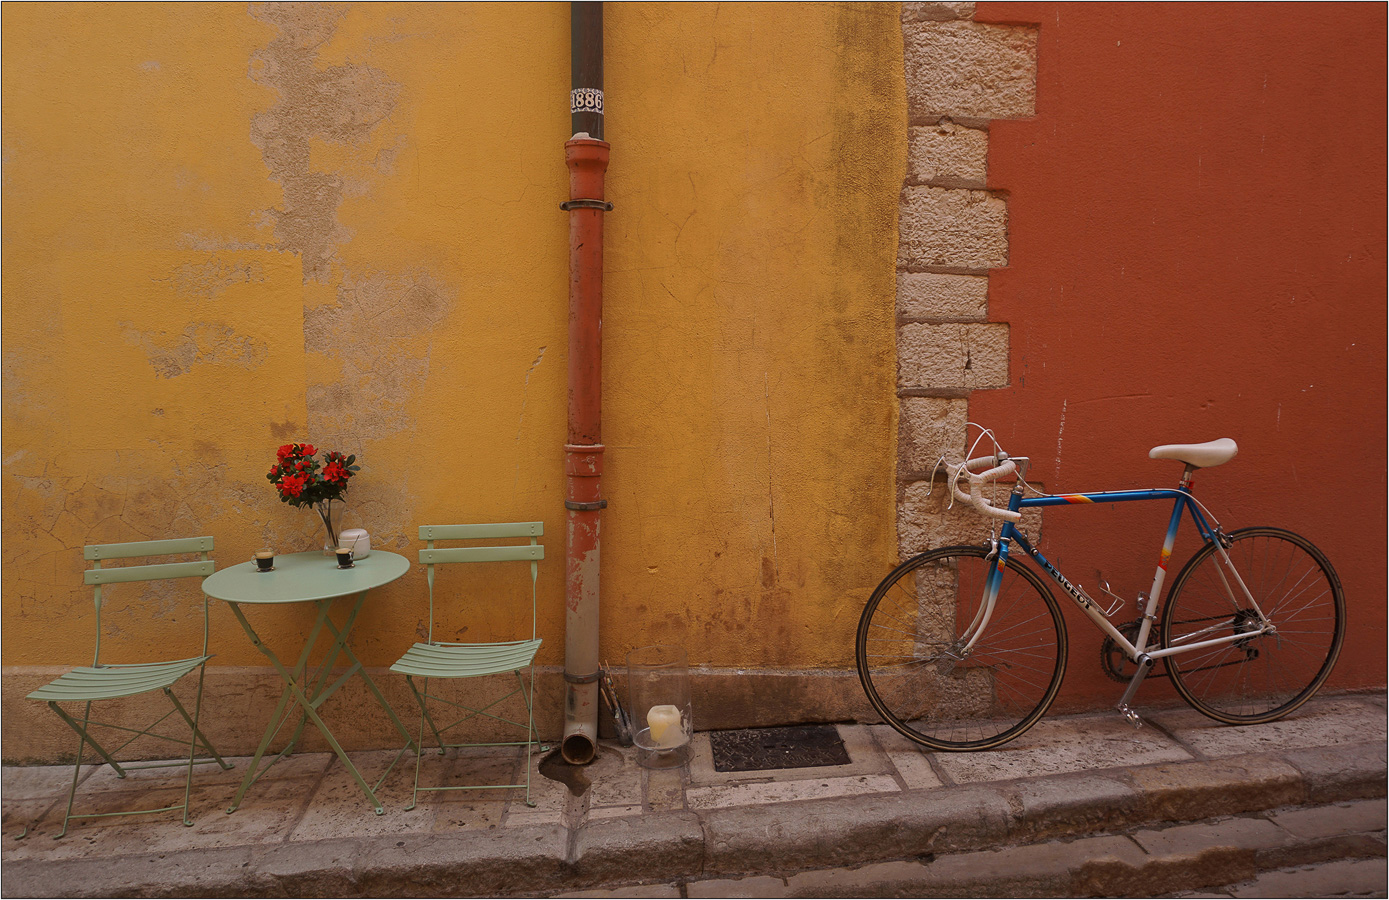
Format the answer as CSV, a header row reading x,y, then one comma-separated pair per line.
x,y
303,481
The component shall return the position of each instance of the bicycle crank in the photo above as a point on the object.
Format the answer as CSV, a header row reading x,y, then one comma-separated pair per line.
x,y
1114,662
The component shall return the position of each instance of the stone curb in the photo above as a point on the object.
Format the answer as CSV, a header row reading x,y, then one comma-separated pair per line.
x,y
874,830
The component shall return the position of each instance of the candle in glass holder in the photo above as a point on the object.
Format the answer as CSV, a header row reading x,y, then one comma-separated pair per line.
x,y
666,730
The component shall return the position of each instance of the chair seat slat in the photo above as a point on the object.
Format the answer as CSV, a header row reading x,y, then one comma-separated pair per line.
x,y
465,660
110,682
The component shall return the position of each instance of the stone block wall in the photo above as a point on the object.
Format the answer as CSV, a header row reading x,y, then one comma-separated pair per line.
x,y
953,228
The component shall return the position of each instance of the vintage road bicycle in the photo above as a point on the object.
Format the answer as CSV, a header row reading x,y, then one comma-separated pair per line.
x,y
965,648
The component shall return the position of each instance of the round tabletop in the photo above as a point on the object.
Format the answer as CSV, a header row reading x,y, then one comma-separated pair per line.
x,y
300,577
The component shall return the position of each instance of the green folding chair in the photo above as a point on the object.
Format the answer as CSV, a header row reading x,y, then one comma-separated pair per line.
x,y
111,681
437,659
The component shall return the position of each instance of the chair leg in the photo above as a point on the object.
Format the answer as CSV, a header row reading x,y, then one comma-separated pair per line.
x,y
194,738
77,766
529,694
82,730
419,755
200,738
421,699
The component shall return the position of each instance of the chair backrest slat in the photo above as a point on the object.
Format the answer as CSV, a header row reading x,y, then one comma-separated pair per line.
x,y
155,572
481,554
147,548
476,532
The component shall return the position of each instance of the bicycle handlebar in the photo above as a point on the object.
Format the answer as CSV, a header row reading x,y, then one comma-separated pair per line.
x,y
1002,467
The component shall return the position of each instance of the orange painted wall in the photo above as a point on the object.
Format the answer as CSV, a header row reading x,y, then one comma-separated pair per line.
x,y
1197,250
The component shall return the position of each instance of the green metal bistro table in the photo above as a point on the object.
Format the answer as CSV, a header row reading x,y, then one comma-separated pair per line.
x,y
308,578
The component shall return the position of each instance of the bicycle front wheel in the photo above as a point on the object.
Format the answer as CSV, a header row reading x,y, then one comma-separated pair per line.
x,y
911,659
1266,676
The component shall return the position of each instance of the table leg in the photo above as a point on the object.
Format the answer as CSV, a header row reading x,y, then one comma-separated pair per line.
x,y
308,703
361,669
253,771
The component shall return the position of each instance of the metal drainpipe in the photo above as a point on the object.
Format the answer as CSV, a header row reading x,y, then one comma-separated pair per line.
x,y
586,155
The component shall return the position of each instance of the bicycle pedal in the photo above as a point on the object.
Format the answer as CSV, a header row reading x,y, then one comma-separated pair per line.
x,y
1131,716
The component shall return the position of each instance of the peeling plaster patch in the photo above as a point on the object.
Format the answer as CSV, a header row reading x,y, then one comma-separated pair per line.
x,y
207,243
200,343
380,330
211,278
376,310
339,104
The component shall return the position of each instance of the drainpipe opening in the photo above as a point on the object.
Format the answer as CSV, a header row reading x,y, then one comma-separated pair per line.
x,y
578,749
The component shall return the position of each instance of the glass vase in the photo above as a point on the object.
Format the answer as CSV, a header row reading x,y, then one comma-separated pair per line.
x,y
658,689
330,513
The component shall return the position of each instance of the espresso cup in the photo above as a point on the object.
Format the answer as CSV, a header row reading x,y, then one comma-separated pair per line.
x,y
265,560
344,557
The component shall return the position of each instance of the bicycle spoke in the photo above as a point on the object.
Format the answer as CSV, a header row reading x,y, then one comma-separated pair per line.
x,y
917,673
1264,676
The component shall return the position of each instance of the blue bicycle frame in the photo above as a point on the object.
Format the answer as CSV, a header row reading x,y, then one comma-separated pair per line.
x,y
1137,650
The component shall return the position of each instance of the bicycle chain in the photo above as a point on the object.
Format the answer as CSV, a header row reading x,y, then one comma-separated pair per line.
x,y
1116,664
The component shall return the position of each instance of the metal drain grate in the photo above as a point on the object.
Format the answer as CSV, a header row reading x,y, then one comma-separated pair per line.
x,y
792,747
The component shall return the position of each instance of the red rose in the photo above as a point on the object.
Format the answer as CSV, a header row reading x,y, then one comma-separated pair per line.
x,y
308,449
284,451
334,471
292,485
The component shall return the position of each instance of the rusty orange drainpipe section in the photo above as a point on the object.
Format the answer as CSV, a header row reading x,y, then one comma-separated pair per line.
x,y
586,155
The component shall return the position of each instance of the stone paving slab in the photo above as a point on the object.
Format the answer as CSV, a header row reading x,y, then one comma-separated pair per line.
x,y
1327,723
306,828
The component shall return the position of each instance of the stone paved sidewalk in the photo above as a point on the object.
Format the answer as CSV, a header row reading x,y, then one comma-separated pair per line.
x,y
306,829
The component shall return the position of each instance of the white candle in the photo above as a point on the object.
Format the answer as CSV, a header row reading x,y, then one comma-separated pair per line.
x,y
666,729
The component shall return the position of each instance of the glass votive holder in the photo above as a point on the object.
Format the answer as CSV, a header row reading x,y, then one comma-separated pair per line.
x,y
658,689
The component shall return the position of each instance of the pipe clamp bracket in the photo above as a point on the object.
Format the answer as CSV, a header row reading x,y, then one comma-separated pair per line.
x,y
603,205
582,679
598,504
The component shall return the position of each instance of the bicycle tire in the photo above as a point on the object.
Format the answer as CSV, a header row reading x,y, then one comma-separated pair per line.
x,y
1268,676
1000,690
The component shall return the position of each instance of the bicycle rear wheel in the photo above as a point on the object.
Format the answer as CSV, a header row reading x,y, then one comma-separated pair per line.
x,y
911,632
1267,676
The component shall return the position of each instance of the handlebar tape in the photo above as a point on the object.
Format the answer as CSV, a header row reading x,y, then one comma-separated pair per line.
x,y
977,480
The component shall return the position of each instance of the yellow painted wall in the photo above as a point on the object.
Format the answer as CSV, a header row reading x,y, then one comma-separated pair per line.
x,y
229,228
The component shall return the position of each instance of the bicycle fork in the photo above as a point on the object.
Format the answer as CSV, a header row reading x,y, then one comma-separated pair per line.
x,y
960,649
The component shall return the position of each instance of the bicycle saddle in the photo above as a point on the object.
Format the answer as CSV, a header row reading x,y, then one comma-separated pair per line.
x,y
1202,456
